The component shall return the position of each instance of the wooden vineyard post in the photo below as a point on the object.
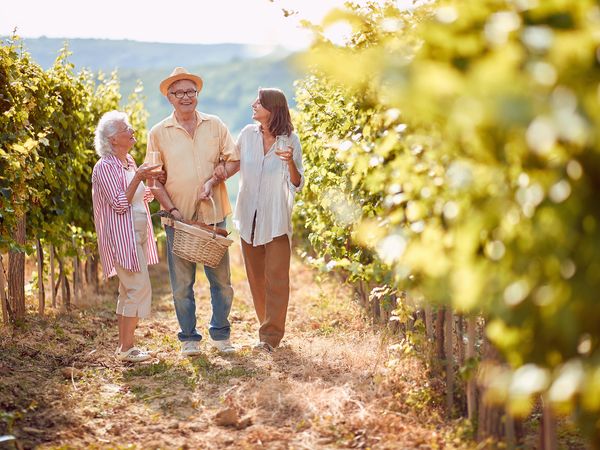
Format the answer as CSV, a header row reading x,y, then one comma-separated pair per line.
x,y
75,273
448,331
88,268
460,340
95,274
511,438
491,417
16,272
439,335
40,268
472,382
548,430
64,285
3,297
53,291
362,294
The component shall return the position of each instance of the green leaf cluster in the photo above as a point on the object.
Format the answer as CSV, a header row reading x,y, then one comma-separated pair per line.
x,y
47,123
465,135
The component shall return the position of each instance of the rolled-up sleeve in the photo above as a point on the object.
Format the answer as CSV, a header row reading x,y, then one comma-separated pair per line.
x,y
297,157
229,151
105,181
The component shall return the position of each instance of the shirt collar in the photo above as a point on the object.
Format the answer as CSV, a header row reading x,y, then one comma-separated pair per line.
x,y
112,159
172,121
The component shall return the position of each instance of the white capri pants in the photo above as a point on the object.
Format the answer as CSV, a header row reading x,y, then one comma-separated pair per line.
x,y
135,292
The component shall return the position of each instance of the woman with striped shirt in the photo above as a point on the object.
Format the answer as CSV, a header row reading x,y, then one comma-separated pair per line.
x,y
122,219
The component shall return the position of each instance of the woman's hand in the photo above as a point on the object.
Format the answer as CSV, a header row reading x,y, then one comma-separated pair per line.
x,y
147,170
206,190
220,172
143,172
286,155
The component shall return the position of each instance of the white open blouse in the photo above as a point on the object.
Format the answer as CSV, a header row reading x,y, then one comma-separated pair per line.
x,y
265,188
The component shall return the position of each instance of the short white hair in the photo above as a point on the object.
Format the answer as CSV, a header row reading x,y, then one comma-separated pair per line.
x,y
107,127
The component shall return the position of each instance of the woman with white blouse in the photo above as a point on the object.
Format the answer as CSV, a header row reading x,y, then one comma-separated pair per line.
x,y
125,239
270,176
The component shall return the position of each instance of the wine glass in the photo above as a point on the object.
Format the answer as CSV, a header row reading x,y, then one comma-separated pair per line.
x,y
154,160
281,146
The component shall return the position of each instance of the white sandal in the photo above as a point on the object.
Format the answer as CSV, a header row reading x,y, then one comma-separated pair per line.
x,y
134,354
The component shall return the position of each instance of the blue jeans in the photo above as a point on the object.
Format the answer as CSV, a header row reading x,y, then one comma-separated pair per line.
x,y
183,274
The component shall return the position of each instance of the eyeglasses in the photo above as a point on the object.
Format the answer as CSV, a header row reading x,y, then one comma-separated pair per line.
x,y
125,130
180,94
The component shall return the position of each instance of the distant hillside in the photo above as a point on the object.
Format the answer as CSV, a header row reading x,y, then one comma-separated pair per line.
x,y
232,75
107,55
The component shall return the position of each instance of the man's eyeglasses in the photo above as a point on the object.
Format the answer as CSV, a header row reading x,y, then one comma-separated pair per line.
x,y
180,94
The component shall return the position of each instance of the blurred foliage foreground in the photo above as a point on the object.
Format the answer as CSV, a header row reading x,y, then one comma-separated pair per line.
x,y
452,152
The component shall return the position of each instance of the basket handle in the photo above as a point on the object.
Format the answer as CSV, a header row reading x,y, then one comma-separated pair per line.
x,y
195,216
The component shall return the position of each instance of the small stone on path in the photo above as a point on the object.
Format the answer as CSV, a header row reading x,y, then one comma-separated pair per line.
x,y
71,372
244,422
227,417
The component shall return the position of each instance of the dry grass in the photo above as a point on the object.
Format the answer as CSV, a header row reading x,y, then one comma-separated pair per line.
x,y
327,386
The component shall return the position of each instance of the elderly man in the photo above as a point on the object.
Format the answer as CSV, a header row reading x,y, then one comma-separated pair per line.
x,y
192,147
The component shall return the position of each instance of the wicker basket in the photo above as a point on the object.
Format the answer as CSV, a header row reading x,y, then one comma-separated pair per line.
x,y
200,246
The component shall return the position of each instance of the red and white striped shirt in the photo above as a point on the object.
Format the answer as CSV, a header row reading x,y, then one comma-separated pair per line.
x,y
113,217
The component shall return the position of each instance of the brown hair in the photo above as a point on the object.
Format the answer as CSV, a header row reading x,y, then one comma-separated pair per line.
x,y
274,101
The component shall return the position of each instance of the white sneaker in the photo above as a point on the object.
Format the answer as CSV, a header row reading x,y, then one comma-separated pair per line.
x,y
134,354
224,346
190,348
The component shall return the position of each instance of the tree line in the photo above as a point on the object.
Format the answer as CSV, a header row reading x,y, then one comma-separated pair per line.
x,y
47,122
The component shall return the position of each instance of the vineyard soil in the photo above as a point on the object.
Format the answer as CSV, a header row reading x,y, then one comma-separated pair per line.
x,y
330,385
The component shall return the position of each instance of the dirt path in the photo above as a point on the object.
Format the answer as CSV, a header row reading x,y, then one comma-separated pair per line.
x,y
328,386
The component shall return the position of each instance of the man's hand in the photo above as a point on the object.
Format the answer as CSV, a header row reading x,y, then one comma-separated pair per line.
x,y
161,177
206,190
177,215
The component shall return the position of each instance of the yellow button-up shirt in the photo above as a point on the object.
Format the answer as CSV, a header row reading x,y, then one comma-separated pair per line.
x,y
189,162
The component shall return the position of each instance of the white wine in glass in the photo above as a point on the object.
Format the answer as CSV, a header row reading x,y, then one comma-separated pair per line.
x,y
281,144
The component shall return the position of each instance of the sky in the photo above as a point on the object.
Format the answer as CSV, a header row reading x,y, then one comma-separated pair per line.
x,y
182,21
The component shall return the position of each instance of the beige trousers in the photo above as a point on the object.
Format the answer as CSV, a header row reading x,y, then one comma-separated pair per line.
x,y
135,292
268,271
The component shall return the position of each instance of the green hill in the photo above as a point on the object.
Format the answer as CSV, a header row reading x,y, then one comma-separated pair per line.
x,y
232,73
110,54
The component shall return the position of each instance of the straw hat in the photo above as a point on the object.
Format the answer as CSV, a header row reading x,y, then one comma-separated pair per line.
x,y
179,73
